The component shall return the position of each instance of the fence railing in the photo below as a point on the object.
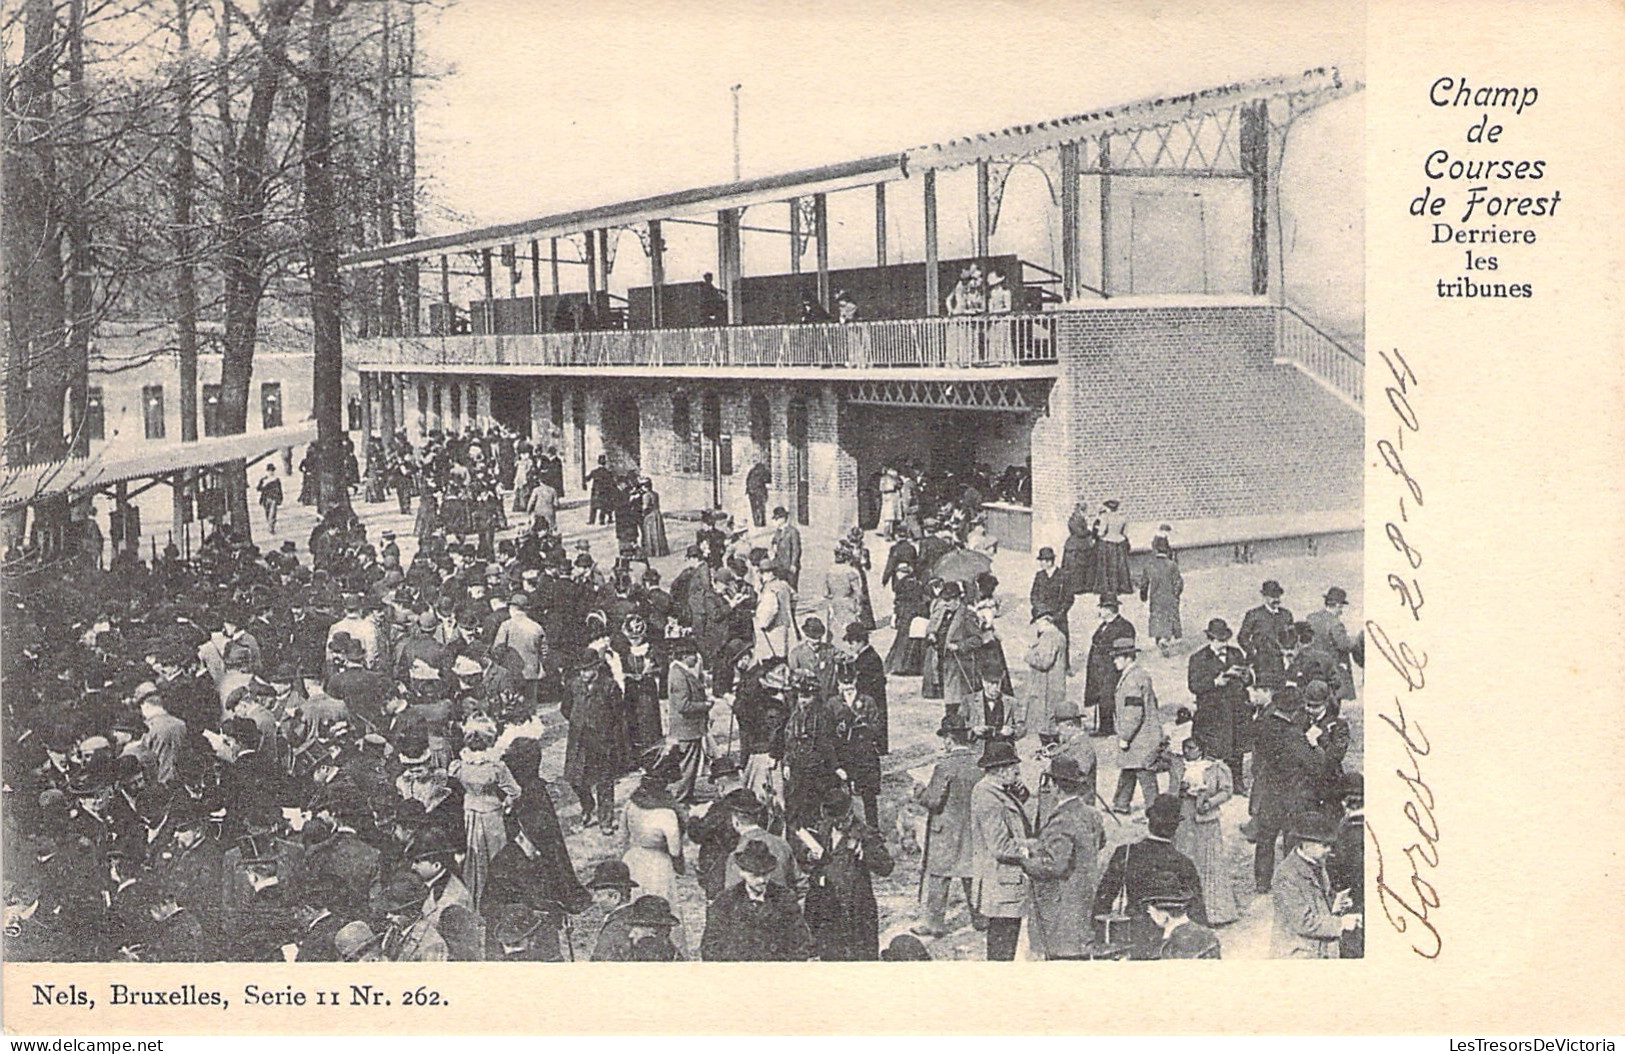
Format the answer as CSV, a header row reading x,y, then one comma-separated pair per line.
x,y
986,340
1322,356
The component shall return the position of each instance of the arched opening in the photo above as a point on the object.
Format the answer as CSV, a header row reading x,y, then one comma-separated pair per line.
x,y
622,430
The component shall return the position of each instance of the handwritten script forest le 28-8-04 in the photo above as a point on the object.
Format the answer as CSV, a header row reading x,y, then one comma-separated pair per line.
x,y
1405,889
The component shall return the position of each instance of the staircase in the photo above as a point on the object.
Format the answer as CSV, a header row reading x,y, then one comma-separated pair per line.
x,y
1319,356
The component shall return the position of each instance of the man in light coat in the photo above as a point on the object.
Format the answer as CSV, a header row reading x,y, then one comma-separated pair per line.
x,y
543,504
166,734
1047,659
1332,639
1063,864
525,635
948,834
1139,729
690,716
775,615
999,834
1309,916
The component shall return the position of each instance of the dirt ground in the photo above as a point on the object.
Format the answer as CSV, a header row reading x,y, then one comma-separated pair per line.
x,y
1225,592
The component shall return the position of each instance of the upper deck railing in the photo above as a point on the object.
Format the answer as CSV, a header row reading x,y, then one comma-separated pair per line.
x,y
982,340
1338,368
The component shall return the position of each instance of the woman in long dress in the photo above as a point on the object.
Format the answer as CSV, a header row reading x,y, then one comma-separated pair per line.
x,y
1161,586
864,563
654,838
907,655
936,610
1078,562
489,790
654,525
1204,786
1112,551
842,592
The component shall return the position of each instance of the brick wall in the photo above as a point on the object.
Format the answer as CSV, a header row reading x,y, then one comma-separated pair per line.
x,y
1181,413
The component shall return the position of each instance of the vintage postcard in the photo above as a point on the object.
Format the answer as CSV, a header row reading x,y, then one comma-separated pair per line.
x,y
849,503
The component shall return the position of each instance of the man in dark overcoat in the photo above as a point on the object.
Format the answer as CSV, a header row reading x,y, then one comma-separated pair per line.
x,y
1218,675
1100,677
757,920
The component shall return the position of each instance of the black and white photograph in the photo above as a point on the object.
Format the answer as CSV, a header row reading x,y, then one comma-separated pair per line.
x,y
497,482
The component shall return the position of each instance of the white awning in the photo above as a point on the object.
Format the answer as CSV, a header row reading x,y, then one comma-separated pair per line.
x,y
26,484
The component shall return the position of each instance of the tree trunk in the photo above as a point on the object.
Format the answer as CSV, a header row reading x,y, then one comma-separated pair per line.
x,y
34,248
185,266
321,233
246,251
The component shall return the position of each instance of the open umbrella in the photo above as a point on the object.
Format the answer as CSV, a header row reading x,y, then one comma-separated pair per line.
x,y
962,565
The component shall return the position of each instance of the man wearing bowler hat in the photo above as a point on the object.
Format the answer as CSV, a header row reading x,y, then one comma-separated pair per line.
x,y
948,851
1287,772
1262,630
1310,916
757,920
1167,903
1218,675
1128,879
1139,729
1000,831
649,927
1052,595
1333,640
1063,862
1100,676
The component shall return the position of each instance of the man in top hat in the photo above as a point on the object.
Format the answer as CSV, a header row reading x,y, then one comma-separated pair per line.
x,y
1262,630
1333,640
1139,728
598,748
1052,595
758,920
949,852
1167,903
1218,676
1128,878
1287,771
1000,830
1310,916
1063,862
1100,677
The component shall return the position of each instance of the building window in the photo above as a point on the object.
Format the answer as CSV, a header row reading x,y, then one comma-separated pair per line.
x,y
152,410
473,404
423,408
690,456
353,408
456,406
439,409
271,404
211,409
558,409
95,416
718,444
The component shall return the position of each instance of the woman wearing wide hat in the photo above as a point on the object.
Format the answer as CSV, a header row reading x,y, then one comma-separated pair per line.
x,y
654,833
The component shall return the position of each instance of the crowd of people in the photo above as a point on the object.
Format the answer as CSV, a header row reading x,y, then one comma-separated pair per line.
x,y
340,755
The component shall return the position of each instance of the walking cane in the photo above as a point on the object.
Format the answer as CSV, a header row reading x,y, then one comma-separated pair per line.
x,y
925,859
1107,809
